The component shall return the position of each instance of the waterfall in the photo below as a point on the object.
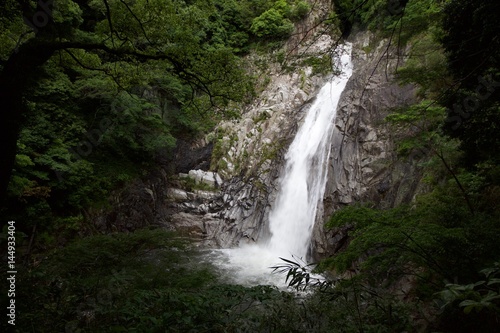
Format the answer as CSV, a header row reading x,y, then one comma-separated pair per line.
x,y
303,183
301,189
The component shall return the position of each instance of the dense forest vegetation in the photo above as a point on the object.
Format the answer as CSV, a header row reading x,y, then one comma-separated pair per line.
x,y
96,93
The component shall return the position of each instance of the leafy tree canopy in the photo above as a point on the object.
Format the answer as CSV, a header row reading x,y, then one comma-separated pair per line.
x,y
95,90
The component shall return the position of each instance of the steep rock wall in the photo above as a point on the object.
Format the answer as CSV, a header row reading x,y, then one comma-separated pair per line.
x,y
364,166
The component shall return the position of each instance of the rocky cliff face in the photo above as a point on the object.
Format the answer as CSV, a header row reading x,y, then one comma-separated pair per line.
x,y
249,153
363,165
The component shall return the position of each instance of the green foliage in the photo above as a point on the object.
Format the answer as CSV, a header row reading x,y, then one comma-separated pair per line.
x,y
190,184
347,305
78,143
96,118
298,274
417,17
469,40
438,232
221,145
276,22
380,239
109,281
301,9
476,296
478,301
426,66
438,238
135,127
401,18
364,12
152,281
420,123
469,37
272,24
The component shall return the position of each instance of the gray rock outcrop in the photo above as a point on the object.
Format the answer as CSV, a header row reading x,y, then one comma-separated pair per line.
x,y
363,164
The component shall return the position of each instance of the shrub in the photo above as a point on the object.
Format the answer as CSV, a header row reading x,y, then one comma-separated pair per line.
x,y
271,24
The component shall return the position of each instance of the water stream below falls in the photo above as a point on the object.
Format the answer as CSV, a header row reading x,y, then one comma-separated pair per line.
x,y
301,191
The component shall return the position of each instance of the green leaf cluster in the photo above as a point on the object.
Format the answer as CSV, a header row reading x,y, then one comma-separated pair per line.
x,y
479,302
276,22
99,116
272,24
401,18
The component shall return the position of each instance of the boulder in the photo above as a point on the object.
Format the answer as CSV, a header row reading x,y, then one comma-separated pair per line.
x,y
207,177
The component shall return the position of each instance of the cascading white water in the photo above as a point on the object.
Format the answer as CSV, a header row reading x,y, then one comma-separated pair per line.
x,y
303,183
301,189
